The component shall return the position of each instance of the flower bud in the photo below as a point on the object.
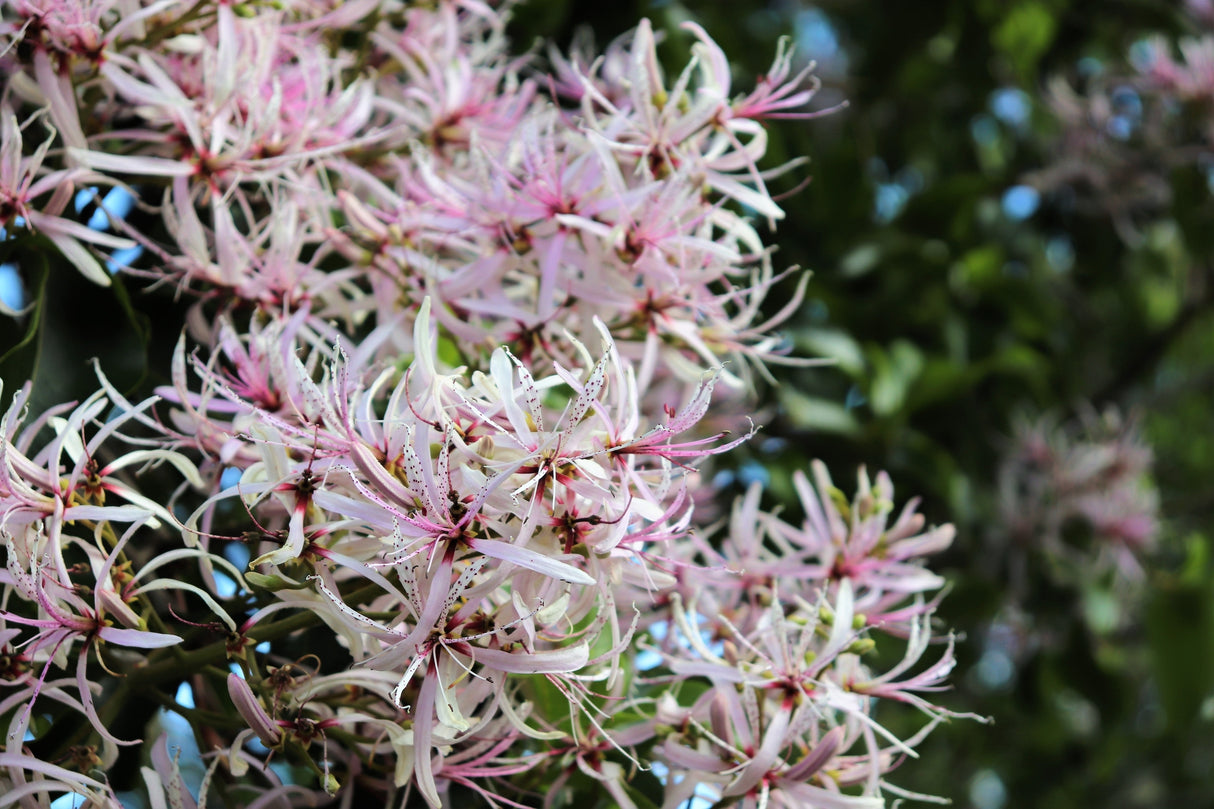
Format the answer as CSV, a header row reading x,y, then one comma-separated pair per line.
x,y
250,710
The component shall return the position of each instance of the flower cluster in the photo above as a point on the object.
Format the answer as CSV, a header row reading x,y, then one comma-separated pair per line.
x,y
781,620
1094,474
415,511
1127,128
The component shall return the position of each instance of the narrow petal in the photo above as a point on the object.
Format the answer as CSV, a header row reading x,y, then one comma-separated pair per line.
x,y
137,638
532,560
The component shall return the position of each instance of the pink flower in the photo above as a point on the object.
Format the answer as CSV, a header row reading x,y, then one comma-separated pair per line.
x,y
854,542
66,618
1097,471
23,181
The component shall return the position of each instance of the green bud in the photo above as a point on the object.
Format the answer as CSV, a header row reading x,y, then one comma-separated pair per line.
x,y
272,583
862,646
839,500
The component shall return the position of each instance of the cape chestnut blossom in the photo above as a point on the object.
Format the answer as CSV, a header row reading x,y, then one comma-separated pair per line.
x,y
67,589
1191,77
854,542
521,240
489,506
1125,131
781,621
791,698
63,618
22,773
24,180
421,480
245,101
1095,472
759,555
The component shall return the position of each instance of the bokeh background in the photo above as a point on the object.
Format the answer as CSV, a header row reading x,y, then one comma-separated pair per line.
x,y
1010,233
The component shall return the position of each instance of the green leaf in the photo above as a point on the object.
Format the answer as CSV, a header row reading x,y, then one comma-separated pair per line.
x,y
835,345
1180,628
140,325
978,269
638,797
1025,34
550,703
894,374
816,414
861,261
272,583
21,360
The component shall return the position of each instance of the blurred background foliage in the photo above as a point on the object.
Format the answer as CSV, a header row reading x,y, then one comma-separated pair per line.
x,y
1011,242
